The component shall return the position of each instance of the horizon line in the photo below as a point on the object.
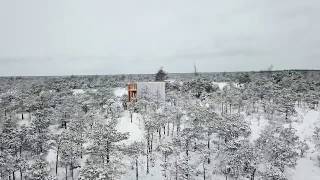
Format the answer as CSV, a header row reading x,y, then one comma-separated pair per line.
x,y
203,72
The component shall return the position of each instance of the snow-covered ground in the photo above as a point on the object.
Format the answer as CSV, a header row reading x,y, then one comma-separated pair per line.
x,y
78,91
310,119
257,125
135,129
220,84
120,91
307,167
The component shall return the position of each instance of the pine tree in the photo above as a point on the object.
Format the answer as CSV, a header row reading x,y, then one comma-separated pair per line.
x,y
166,150
104,142
238,159
39,133
131,108
9,147
39,170
7,163
69,151
94,171
161,75
278,146
135,150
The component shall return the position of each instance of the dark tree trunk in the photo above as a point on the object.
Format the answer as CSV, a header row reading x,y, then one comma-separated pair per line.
x,y
81,152
147,163
253,174
41,149
172,129
176,170
137,170
22,116
57,161
209,147
64,124
204,172
148,141
66,172
72,170
131,114
151,143
165,161
221,108
13,176
178,127
148,145
187,148
108,152
21,175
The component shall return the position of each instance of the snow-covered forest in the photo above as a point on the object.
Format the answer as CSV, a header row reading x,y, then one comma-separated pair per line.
x,y
213,126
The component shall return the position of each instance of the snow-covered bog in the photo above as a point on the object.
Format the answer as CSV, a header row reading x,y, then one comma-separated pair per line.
x,y
247,126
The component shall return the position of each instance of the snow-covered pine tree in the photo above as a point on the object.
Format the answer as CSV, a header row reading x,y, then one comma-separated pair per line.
x,y
70,151
105,142
161,75
237,159
9,147
39,133
134,151
166,150
278,148
39,169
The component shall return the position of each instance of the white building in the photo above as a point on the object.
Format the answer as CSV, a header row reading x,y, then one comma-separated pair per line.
x,y
147,90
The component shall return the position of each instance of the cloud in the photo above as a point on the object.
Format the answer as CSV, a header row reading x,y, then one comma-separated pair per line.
x,y
42,37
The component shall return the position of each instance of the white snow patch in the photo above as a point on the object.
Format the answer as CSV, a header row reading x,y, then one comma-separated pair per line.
x,y
120,92
135,129
220,84
24,122
309,121
78,91
155,172
307,167
257,125
26,115
51,156
82,91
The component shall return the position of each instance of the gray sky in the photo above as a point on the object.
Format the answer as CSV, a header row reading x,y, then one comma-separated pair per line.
x,y
63,37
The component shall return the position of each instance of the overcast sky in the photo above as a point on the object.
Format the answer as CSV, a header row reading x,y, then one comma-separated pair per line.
x,y
64,37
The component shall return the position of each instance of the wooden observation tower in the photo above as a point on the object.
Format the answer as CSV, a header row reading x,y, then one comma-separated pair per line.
x,y
150,90
132,91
